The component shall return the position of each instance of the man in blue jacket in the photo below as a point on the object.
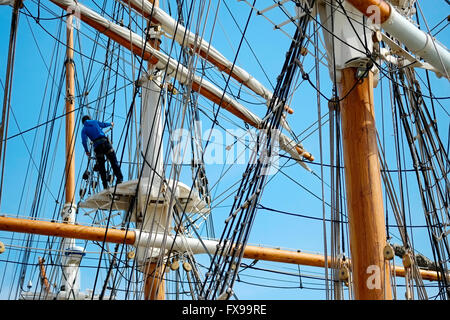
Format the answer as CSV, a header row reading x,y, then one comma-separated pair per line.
x,y
92,129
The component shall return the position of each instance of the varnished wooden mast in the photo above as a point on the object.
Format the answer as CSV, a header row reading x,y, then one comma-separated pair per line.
x,y
70,114
363,185
44,278
66,230
154,288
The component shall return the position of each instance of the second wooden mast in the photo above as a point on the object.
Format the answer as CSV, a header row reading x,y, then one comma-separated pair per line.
x,y
363,185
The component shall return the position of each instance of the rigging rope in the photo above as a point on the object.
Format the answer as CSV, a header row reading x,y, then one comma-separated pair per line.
x,y
225,264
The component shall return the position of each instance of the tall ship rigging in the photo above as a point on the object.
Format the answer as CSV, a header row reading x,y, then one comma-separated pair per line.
x,y
293,149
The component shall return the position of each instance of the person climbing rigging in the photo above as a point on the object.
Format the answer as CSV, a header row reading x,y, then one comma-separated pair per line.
x,y
92,129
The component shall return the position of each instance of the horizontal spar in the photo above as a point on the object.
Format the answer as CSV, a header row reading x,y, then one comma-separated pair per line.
x,y
139,46
179,243
199,45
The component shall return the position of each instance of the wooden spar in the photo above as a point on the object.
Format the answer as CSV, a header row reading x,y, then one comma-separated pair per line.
x,y
363,185
70,114
222,103
129,237
304,153
138,50
112,35
71,275
153,60
44,279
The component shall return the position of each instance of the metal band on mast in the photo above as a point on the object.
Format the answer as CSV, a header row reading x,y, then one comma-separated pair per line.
x,y
351,70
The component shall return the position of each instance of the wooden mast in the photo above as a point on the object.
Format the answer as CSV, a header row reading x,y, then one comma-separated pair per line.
x,y
363,185
7,89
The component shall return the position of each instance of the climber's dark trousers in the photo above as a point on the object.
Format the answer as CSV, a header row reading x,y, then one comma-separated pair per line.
x,y
102,150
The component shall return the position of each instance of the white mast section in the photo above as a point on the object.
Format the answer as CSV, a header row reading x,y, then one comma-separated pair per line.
x,y
181,73
418,42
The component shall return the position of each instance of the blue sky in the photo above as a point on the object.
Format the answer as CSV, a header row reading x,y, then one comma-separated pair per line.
x,y
31,96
